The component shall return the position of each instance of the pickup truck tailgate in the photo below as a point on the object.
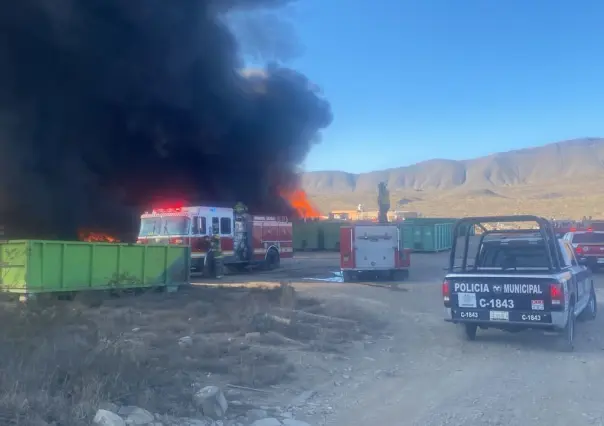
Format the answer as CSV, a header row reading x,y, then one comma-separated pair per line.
x,y
501,298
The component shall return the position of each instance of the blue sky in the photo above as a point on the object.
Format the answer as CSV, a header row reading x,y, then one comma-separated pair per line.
x,y
414,80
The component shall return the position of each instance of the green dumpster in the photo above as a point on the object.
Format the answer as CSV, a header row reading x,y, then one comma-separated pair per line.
x,y
464,228
36,266
306,235
407,233
434,237
418,237
330,234
429,220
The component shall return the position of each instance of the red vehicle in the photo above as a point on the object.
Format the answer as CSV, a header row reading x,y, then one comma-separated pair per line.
x,y
561,227
245,239
373,248
596,225
588,246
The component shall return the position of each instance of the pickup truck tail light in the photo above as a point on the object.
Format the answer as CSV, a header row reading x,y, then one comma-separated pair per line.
x,y
556,294
579,250
446,289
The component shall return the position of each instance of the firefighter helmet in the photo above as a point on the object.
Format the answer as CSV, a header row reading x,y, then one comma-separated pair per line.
x,y
240,208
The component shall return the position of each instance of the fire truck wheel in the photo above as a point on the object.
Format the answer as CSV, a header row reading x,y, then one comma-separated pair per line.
x,y
273,261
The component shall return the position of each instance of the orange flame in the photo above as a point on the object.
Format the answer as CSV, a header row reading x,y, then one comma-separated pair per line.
x,y
98,237
299,201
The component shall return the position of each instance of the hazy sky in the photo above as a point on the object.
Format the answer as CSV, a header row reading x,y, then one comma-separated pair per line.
x,y
415,80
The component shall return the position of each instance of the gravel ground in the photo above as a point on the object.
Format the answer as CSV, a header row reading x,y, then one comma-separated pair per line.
x,y
397,363
427,374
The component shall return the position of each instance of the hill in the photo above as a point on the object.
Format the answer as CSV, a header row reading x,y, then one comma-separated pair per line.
x,y
544,177
568,159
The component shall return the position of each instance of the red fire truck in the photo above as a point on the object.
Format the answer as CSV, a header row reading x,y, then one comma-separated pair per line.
x,y
245,239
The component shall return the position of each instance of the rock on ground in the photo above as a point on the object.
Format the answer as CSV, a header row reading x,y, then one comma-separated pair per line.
x,y
256,414
194,422
292,422
212,402
136,415
107,418
270,421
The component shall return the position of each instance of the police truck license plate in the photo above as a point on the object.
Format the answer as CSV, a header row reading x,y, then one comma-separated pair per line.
x,y
466,300
499,316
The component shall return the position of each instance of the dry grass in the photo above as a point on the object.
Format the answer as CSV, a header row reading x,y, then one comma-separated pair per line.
x,y
561,200
59,362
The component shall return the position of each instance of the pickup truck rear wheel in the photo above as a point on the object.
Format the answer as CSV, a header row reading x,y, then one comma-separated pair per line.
x,y
568,334
470,330
591,310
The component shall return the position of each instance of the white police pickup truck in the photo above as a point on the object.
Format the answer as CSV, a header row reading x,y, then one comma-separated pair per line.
x,y
514,280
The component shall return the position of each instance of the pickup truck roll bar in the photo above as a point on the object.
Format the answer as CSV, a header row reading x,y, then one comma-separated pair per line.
x,y
546,232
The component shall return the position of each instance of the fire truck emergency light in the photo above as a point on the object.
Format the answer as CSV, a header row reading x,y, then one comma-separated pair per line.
x,y
169,210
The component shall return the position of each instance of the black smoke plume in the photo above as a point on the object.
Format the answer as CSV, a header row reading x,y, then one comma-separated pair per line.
x,y
108,105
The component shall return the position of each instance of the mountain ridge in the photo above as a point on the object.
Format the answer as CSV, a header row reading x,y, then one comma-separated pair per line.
x,y
564,160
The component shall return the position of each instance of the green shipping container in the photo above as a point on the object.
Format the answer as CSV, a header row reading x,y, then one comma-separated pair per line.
x,y
432,237
35,266
464,228
306,235
406,230
429,220
416,239
330,235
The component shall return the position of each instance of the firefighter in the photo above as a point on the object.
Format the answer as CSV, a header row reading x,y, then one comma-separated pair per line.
x,y
217,252
240,208
383,203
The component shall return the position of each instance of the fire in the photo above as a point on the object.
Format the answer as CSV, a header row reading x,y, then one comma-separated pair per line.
x,y
98,237
299,201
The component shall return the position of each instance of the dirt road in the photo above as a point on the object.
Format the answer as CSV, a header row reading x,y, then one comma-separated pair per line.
x,y
427,374
330,353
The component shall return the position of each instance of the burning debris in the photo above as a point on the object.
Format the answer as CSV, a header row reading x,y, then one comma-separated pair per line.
x,y
99,237
104,105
